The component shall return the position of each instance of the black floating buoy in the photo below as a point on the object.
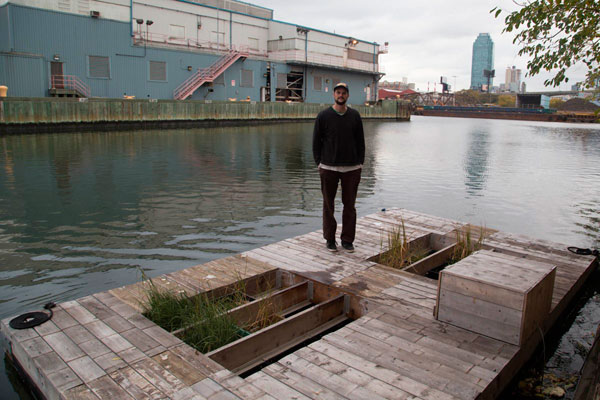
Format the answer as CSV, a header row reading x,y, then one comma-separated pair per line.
x,y
32,319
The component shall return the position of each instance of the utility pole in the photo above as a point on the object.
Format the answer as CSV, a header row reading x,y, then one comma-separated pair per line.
x,y
454,92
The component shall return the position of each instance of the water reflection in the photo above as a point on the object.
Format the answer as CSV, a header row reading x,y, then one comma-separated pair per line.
x,y
157,200
476,162
589,223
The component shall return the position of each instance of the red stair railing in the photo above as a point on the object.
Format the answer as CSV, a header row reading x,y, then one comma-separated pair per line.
x,y
203,75
70,82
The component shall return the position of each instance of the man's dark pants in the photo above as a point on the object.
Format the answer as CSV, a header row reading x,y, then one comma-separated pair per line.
x,y
329,185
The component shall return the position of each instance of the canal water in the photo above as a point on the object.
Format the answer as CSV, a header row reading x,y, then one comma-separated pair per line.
x,y
86,212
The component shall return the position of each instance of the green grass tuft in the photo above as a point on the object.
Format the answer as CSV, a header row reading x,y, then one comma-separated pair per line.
x,y
466,244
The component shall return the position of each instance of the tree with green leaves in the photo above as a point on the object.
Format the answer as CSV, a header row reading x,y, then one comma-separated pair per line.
x,y
557,34
506,100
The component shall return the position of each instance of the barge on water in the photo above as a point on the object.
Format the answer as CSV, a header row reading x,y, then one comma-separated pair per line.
x,y
525,114
345,325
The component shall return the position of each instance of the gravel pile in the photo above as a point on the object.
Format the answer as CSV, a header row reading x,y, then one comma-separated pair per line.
x,y
578,104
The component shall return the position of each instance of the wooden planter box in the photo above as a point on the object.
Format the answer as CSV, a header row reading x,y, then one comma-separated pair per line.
x,y
497,295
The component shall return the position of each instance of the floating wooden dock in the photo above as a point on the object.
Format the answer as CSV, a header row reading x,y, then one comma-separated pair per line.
x,y
392,347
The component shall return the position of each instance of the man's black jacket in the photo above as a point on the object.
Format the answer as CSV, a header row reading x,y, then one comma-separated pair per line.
x,y
339,140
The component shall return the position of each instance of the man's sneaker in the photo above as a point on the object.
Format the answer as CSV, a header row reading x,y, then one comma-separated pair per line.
x,y
331,246
348,246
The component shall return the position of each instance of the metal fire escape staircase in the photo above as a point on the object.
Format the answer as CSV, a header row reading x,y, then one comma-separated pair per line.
x,y
203,75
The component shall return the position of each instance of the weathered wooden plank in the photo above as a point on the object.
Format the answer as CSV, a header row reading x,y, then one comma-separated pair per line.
x,y
493,294
135,384
49,362
63,346
274,387
242,388
428,373
370,384
206,388
106,388
410,359
199,361
428,353
301,383
481,308
78,334
96,307
94,348
179,367
116,342
163,337
378,371
339,384
81,392
140,339
118,323
110,362
249,351
64,379
131,355
477,323
159,377
166,283
421,299
86,369
275,303
47,328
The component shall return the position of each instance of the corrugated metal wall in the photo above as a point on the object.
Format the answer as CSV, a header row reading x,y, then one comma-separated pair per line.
x,y
4,32
72,38
24,75
356,84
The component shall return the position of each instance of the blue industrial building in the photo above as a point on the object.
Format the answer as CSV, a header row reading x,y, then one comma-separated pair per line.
x,y
167,49
482,65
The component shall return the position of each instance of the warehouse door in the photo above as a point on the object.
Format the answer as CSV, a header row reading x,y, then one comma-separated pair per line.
x,y
57,79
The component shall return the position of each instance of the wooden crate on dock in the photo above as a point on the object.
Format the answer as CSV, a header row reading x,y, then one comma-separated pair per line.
x,y
497,295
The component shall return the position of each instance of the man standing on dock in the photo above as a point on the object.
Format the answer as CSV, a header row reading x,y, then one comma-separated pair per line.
x,y
339,151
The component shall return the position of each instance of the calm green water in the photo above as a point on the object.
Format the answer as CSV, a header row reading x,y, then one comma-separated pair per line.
x,y
82,213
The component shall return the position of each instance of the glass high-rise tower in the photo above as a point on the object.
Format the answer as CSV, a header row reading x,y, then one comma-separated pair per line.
x,y
483,60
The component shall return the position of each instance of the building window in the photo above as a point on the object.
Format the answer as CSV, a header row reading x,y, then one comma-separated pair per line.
x,y
247,78
360,55
335,81
99,67
253,43
217,37
219,80
158,71
176,31
318,83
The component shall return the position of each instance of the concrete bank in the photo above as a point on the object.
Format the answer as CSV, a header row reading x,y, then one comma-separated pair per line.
x,y
35,115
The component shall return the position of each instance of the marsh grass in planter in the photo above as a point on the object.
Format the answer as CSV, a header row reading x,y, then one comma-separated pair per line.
x,y
203,321
428,254
402,252
466,243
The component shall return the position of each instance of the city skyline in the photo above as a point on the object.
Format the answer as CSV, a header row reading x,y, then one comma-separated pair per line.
x,y
427,39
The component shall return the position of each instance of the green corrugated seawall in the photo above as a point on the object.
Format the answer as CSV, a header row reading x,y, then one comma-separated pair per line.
x,y
17,112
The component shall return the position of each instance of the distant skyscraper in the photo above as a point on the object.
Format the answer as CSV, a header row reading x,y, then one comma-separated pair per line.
x,y
483,59
512,79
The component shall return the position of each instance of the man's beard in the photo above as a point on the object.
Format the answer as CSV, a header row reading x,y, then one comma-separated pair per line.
x,y
340,102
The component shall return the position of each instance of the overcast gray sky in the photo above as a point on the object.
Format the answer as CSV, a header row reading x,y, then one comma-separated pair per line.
x,y
427,38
